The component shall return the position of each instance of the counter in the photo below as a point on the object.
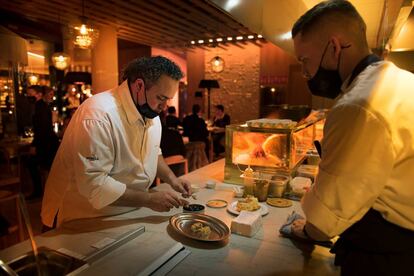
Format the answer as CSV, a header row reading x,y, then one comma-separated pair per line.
x,y
267,253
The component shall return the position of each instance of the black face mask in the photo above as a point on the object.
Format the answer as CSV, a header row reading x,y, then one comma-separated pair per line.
x,y
326,83
145,110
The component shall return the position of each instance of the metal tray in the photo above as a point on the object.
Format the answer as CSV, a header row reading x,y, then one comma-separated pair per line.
x,y
181,223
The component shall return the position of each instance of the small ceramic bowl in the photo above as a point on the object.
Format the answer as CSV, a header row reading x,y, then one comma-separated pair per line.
x,y
194,208
210,184
195,188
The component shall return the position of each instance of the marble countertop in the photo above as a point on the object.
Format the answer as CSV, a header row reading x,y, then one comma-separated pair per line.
x,y
266,253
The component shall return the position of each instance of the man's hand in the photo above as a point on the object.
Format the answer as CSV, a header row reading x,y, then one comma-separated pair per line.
x,y
164,201
297,228
182,186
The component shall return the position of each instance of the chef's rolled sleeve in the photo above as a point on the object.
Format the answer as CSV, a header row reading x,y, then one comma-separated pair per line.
x,y
357,160
94,163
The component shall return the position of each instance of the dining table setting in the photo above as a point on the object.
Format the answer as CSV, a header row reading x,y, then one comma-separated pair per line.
x,y
199,241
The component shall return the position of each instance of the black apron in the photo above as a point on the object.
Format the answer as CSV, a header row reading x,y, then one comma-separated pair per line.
x,y
374,246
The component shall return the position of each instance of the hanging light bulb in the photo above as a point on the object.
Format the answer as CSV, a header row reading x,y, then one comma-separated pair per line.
x,y
217,64
61,60
33,79
84,35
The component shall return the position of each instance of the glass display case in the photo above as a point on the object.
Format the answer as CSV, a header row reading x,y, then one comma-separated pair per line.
x,y
269,148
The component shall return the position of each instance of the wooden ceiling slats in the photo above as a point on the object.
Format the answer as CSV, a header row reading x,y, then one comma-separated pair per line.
x,y
160,15
160,23
149,20
196,18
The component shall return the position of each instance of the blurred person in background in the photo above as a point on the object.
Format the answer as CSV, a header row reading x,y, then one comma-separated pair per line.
x,y
45,141
171,120
220,121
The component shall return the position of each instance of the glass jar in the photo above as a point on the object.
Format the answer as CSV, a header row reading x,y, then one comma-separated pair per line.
x,y
277,185
261,187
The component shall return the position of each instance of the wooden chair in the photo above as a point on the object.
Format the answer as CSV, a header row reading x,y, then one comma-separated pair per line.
x,y
175,160
10,212
196,155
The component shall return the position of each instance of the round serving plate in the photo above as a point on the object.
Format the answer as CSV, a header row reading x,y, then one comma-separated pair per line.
x,y
182,222
232,208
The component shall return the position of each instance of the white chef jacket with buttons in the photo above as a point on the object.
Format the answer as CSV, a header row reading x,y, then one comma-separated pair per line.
x,y
367,153
106,148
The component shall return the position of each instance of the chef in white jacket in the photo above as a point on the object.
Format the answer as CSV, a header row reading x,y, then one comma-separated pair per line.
x,y
110,153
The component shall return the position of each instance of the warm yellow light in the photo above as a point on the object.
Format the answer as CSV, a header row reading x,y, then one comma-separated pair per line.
x,y
239,38
219,39
192,42
273,89
259,36
217,64
229,38
60,60
35,55
33,79
250,36
83,30
200,41
84,36
210,40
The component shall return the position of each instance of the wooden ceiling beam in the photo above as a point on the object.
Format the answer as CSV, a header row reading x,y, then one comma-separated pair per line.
x,y
130,18
161,15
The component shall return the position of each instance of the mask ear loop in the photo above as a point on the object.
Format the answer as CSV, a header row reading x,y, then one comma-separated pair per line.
x,y
339,61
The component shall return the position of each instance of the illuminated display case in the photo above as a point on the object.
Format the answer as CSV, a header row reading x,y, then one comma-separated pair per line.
x,y
269,150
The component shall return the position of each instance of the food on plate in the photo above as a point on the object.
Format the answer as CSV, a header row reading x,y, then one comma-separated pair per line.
x,y
200,230
250,203
216,203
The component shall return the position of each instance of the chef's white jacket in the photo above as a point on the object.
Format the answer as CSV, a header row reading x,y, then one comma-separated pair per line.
x,y
107,147
367,153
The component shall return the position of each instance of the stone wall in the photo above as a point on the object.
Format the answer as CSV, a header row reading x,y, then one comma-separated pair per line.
x,y
239,81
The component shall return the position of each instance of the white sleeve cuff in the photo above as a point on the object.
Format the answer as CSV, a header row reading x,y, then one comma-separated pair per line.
x,y
321,217
107,193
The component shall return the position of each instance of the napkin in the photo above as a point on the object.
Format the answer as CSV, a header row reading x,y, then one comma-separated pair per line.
x,y
286,230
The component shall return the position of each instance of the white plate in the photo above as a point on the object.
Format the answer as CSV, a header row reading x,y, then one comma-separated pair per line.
x,y
232,208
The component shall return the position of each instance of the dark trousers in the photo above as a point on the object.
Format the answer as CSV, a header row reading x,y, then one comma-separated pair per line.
x,y
374,246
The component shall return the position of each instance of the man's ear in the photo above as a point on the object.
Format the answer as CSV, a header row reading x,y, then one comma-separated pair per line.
x,y
336,46
139,84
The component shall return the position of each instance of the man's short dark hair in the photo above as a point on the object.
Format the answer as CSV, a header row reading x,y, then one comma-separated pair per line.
x,y
171,109
331,7
150,69
196,108
220,107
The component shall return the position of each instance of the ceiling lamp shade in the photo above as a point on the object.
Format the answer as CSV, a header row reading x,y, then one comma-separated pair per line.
x,y
84,35
217,64
60,60
208,84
